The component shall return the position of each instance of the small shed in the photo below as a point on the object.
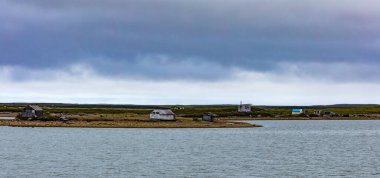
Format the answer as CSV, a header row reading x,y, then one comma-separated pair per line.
x,y
325,113
318,112
297,111
244,107
162,115
329,114
32,111
208,116
178,107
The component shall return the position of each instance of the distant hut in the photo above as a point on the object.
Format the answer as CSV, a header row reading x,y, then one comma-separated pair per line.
x,y
325,113
178,107
162,115
318,112
244,107
329,114
208,116
297,111
31,111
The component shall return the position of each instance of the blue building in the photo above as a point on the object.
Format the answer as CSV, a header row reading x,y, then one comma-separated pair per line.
x,y
297,111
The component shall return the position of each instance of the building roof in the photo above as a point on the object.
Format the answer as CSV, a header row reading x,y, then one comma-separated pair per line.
x,y
35,107
164,111
296,110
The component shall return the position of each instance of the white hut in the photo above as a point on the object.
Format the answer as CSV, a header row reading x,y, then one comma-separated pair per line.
x,y
162,115
244,107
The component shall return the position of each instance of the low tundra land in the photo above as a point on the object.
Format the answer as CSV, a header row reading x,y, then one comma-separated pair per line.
x,y
127,124
121,121
137,116
113,118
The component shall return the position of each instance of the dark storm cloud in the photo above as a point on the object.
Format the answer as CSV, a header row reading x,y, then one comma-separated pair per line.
x,y
197,39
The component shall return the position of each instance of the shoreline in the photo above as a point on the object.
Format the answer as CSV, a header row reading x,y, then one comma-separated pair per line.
x,y
79,120
127,124
298,118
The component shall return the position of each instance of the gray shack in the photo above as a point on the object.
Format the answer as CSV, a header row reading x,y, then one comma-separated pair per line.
x,y
31,111
208,116
162,115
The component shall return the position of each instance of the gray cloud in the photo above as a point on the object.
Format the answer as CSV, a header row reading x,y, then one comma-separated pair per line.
x,y
202,40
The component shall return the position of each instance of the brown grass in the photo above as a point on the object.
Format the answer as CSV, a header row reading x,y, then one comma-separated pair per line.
x,y
6,114
181,123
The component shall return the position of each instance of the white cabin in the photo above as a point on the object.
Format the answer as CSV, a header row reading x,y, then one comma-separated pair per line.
x,y
162,115
244,108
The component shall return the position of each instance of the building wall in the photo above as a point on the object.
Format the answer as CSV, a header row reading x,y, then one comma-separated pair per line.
x,y
244,108
161,117
208,118
31,112
297,111
39,113
28,113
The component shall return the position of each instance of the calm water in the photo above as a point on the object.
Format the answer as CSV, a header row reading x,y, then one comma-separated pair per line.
x,y
280,149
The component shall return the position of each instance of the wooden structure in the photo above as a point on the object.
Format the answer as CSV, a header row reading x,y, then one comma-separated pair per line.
x,y
178,107
208,116
325,113
244,107
162,115
32,111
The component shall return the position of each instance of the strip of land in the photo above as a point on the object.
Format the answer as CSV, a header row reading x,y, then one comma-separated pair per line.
x,y
136,116
127,124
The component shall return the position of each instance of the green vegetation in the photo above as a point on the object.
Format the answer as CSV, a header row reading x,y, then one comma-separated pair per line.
x,y
357,110
9,109
190,110
136,116
98,111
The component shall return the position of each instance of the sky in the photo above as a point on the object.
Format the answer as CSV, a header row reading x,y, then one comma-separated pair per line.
x,y
277,52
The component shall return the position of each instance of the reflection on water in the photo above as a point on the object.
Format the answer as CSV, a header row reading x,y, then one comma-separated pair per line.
x,y
279,149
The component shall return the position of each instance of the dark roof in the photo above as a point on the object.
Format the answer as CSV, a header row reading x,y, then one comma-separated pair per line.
x,y
164,111
35,107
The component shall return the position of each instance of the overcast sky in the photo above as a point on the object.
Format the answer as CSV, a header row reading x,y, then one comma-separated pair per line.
x,y
277,52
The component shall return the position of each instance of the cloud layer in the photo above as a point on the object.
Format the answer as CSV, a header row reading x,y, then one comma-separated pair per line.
x,y
85,86
320,41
